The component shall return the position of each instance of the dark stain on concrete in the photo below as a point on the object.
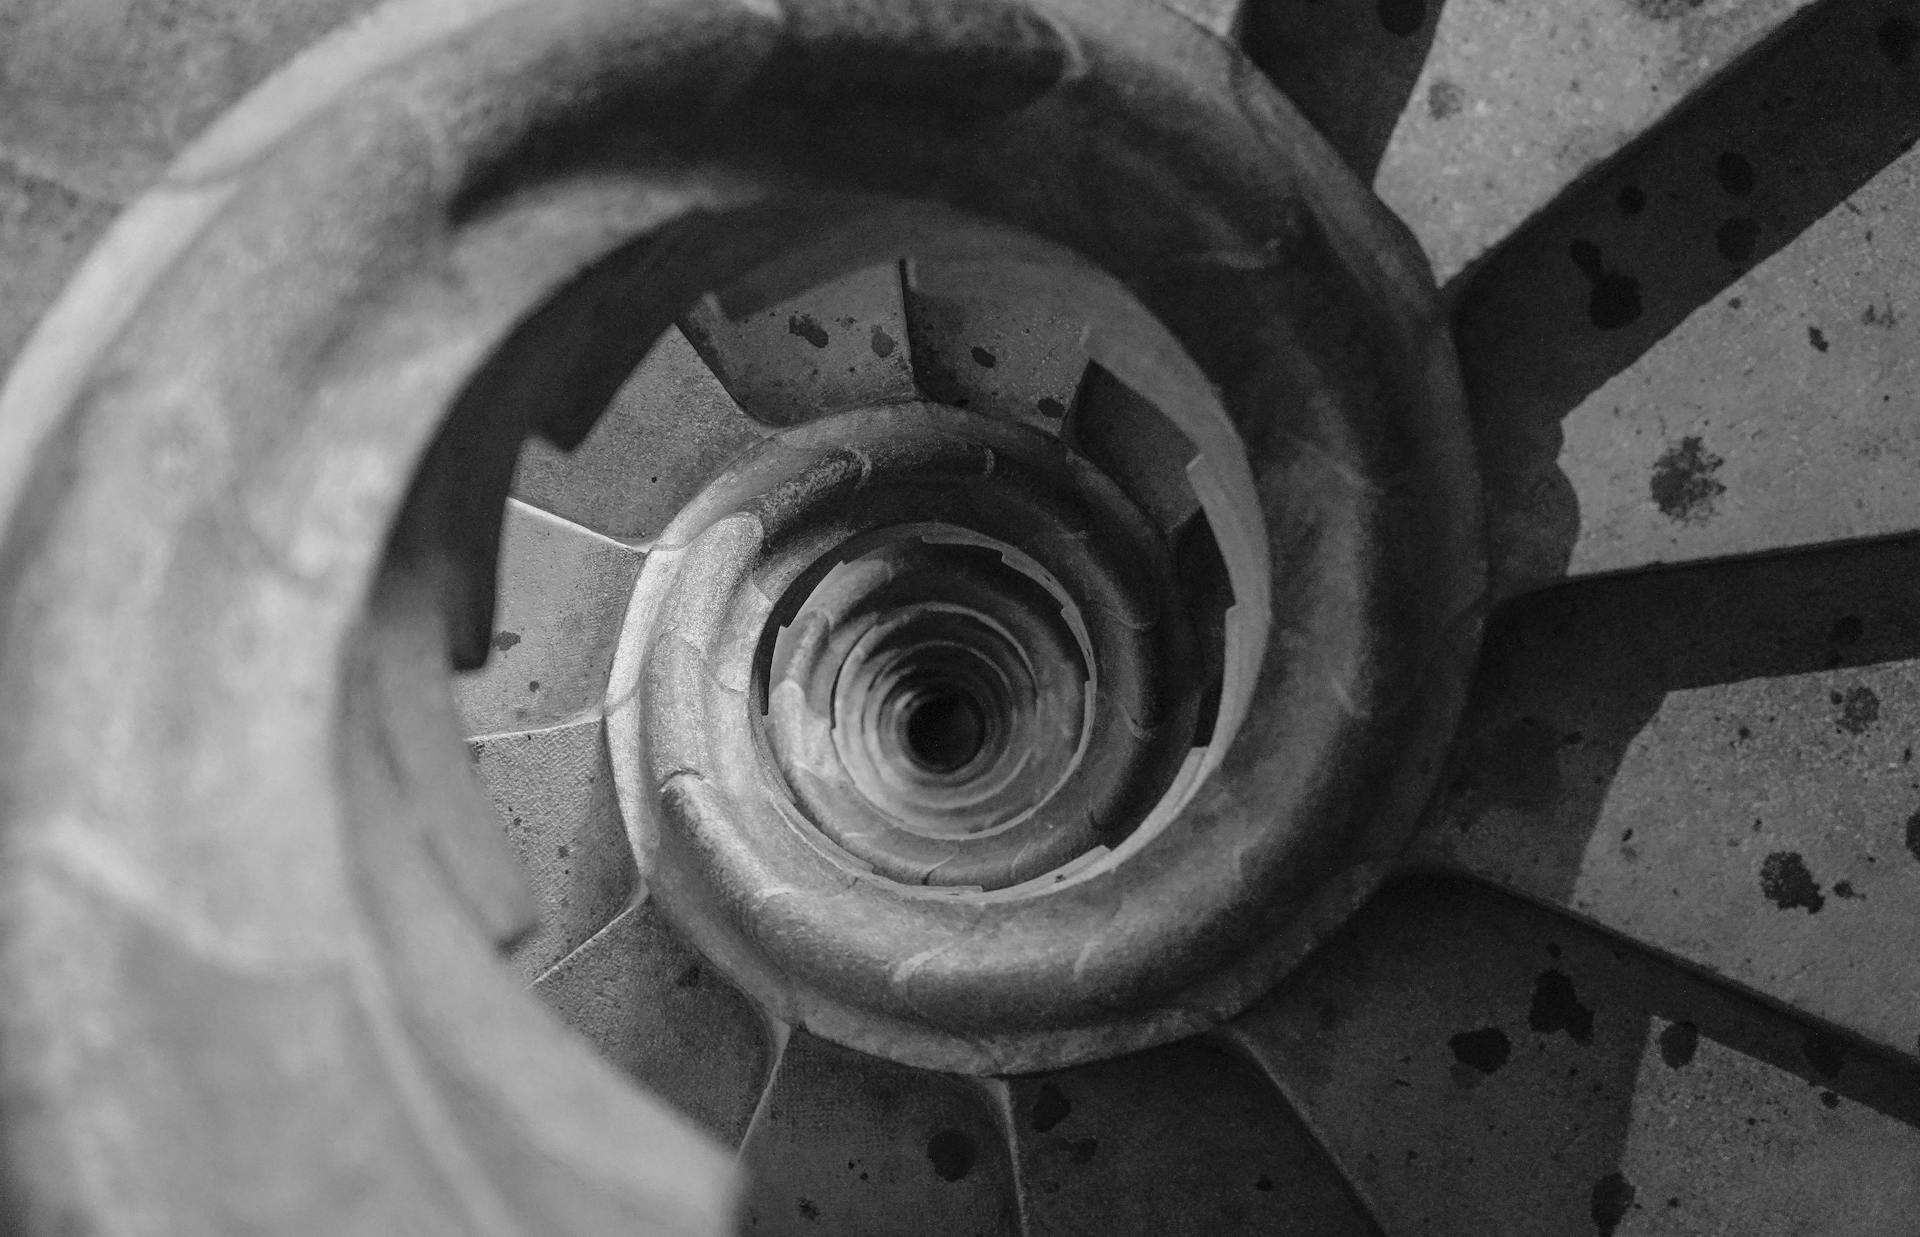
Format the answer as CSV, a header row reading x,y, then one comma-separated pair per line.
x,y
689,977
1612,1198
1896,37
1844,889
953,1153
984,359
1263,1184
1882,316
1787,883
1051,407
1678,1043
1050,1108
1735,174
1913,835
882,343
1824,1054
1445,98
1403,17
1683,485
806,328
504,640
1737,237
1830,1099
1486,1049
809,1211
1556,1007
1614,299
1859,709
1818,338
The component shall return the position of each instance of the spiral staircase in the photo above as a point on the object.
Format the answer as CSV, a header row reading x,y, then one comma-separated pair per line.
x,y
906,617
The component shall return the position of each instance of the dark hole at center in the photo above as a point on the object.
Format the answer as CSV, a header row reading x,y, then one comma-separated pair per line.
x,y
945,730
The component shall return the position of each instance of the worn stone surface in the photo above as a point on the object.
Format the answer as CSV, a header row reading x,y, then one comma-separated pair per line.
x,y
1183,1139
1718,763
835,347
668,431
1703,351
1481,1066
975,347
847,1143
554,795
562,595
1473,115
653,1007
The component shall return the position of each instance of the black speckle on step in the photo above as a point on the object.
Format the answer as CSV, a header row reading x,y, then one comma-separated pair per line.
x,y
1859,709
1051,407
1913,835
808,1211
1787,883
1830,1099
1445,98
1614,298
1556,1007
1486,1049
882,343
952,1154
688,978
1735,174
504,640
984,359
1403,17
1678,1042
806,328
1683,485
1818,338
1050,1107
1609,1203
